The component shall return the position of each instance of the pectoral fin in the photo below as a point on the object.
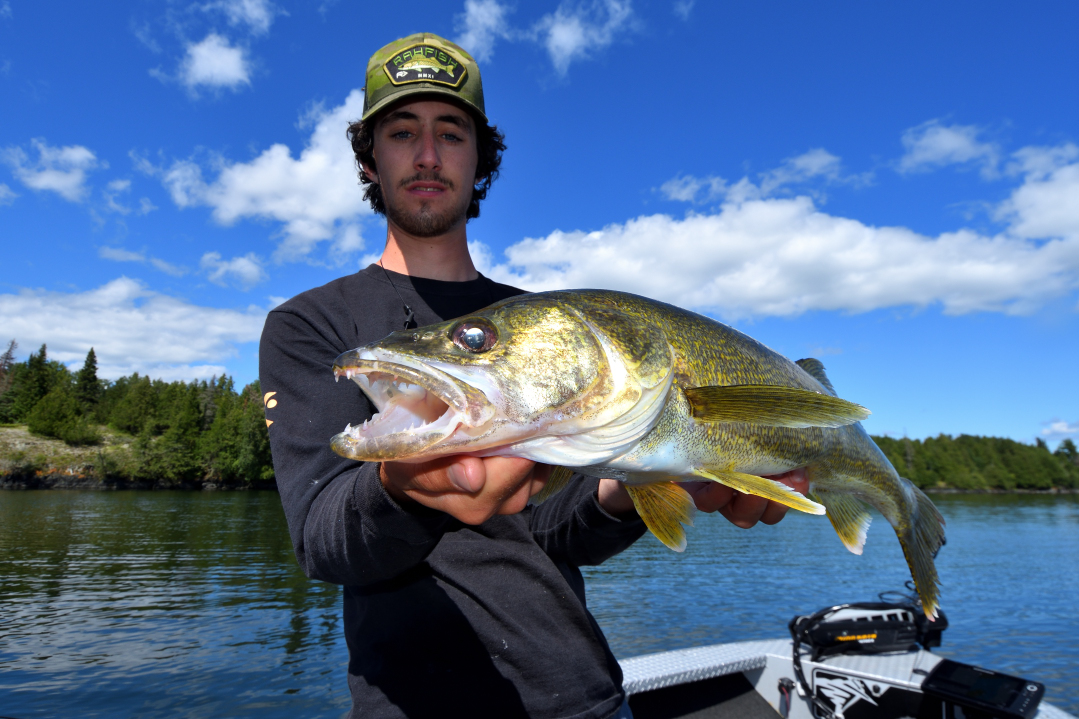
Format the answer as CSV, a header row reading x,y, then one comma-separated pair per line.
x,y
849,516
762,487
772,406
664,507
558,480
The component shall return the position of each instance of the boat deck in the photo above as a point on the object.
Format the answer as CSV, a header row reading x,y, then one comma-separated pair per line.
x,y
741,679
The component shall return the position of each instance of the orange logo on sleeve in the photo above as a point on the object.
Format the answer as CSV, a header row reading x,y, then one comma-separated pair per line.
x,y
267,399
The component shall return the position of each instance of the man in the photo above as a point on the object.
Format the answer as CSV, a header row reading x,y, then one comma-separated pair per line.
x,y
459,599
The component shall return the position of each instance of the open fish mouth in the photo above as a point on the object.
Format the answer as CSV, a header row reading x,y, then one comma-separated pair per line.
x,y
417,409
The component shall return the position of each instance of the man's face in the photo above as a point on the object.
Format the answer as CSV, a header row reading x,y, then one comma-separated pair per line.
x,y
426,156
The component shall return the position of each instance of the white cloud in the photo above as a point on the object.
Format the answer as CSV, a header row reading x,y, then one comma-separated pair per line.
x,y
687,188
782,257
112,192
931,145
480,26
316,195
61,170
257,15
1059,429
245,271
817,164
573,34
5,9
1047,203
683,8
131,328
7,195
812,164
118,254
215,63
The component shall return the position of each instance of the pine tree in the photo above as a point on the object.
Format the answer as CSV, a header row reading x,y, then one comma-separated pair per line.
x,y
1068,451
138,408
7,364
32,384
87,385
8,369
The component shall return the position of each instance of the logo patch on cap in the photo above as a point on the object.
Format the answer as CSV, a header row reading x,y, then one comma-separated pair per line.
x,y
425,63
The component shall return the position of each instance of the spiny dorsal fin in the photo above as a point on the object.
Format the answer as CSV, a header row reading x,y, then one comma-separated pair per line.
x,y
849,516
558,480
761,487
772,406
664,507
815,369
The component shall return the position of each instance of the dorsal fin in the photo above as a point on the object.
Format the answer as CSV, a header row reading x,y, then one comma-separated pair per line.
x,y
815,369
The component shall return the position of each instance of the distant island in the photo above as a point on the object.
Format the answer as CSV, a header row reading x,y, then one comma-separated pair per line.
x,y
64,429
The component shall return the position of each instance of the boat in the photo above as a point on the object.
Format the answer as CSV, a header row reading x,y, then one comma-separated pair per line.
x,y
848,661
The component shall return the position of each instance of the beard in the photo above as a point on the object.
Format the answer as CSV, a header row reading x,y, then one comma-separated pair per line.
x,y
426,222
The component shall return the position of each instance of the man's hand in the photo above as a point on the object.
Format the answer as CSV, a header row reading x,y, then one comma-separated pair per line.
x,y
745,510
742,510
470,489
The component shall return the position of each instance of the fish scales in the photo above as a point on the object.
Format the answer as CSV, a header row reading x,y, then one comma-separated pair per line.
x,y
615,385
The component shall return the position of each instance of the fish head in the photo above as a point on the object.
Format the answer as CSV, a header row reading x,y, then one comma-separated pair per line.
x,y
519,378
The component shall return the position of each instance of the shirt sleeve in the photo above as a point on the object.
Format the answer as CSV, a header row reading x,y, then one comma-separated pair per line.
x,y
571,526
344,527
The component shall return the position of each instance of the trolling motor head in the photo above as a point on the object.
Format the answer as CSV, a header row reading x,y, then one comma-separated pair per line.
x,y
867,628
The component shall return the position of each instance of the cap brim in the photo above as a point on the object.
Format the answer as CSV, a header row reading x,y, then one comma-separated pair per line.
x,y
441,92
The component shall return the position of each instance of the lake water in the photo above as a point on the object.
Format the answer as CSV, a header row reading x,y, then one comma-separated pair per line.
x,y
175,604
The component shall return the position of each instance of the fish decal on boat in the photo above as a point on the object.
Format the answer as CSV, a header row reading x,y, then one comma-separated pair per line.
x,y
610,384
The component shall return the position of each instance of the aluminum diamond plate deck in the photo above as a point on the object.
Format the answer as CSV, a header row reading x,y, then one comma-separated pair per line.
x,y
665,669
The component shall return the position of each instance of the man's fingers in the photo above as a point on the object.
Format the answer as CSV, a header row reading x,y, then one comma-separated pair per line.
x,y
744,510
447,474
467,474
773,513
541,474
709,496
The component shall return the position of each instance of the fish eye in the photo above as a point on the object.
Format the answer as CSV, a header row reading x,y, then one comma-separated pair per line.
x,y
474,336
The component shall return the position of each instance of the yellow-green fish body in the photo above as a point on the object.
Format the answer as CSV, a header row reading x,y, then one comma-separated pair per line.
x,y
615,385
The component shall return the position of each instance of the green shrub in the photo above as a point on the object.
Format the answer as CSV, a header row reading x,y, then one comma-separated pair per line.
x,y
54,413
80,432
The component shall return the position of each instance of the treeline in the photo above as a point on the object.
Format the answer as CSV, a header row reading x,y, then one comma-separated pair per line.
x,y
180,432
974,463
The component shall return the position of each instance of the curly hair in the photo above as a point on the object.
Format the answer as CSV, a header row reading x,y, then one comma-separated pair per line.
x,y
490,144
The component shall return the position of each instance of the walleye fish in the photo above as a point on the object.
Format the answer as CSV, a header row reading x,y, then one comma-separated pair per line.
x,y
426,63
614,385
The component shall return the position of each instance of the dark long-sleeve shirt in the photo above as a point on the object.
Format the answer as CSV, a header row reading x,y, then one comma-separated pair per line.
x,y
440,617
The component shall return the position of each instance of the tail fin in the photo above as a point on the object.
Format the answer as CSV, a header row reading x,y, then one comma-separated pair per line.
x,y
921,540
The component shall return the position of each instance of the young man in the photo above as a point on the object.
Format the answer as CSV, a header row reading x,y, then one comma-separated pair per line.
x,y
459,599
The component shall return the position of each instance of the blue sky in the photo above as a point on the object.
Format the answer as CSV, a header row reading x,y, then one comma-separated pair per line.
x,y
893,187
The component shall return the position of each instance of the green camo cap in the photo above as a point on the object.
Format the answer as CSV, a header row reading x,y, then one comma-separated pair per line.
x,y
422,64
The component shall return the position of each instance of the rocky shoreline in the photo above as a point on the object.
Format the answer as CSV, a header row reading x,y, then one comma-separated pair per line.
x,y
28,462
66,480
